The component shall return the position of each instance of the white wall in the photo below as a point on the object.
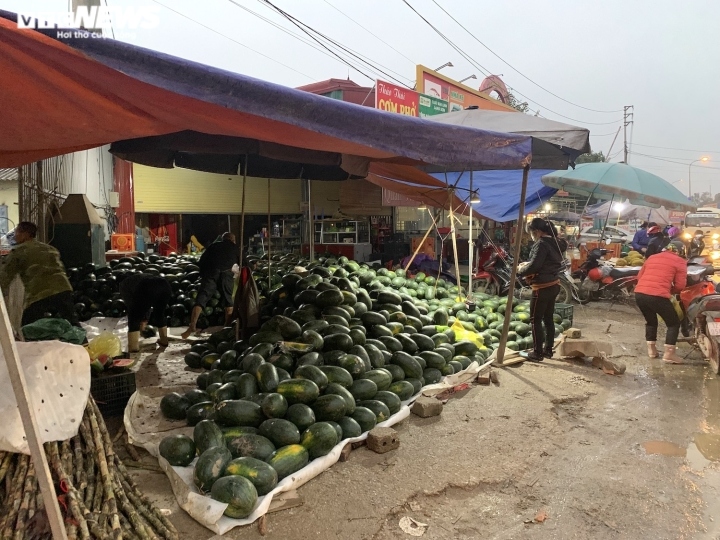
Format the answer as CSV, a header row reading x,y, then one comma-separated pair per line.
x,y
9,197
90,173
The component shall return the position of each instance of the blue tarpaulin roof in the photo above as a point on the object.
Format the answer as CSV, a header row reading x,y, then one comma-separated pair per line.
x,y
499,191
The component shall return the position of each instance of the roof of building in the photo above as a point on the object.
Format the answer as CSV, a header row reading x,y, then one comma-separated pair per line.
x,y
352,92
8,174
329,85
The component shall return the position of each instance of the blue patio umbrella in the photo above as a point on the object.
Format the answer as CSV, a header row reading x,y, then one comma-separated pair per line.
x,y
619,181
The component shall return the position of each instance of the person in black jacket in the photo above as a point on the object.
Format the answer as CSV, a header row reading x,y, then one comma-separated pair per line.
x,y
146,298
216,274
657,241
542,272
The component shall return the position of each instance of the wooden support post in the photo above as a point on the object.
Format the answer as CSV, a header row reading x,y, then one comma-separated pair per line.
x,y
242,212
454,244
32,431
471,245
420,245
311,222
513,274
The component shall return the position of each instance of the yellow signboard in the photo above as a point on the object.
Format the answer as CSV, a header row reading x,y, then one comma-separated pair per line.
x,y
458,95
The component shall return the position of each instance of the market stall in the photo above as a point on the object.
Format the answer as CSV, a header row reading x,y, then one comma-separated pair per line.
x,y
383,337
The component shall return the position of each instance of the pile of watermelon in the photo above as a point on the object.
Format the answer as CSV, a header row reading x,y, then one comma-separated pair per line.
x,y
338,351
96,289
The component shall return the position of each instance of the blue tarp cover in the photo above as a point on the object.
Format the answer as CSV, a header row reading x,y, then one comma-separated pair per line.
x,y
499,191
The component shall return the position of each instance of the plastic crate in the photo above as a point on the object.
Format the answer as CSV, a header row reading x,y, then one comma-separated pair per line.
x,y
112,392
565,311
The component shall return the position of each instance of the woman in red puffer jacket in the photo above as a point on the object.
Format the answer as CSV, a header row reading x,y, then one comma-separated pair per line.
x,y
662,275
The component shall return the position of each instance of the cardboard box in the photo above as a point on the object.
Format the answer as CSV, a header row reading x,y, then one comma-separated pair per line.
x,y
122,242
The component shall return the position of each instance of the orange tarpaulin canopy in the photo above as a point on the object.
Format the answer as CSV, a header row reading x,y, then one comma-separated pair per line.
x,y
64,96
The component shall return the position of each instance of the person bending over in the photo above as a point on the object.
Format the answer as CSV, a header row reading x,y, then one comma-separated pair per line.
x,y
216,275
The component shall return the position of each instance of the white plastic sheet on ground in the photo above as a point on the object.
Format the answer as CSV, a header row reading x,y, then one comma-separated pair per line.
x,y
146,428
58,383
119,326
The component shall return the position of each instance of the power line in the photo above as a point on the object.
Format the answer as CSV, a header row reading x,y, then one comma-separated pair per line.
x,y
233,40
486,72
672,161
517,70
679,149
299,37
309,31
369,32
343,60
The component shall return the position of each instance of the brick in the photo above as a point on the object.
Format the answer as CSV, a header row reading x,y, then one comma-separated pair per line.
x,y
425,407
345,452
613,368
381,440
494,377
484,379
573,333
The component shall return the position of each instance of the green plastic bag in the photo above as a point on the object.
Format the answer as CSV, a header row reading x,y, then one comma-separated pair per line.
x,y
53,329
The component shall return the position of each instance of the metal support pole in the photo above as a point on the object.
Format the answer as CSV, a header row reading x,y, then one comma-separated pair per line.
x,y
513,274
32,431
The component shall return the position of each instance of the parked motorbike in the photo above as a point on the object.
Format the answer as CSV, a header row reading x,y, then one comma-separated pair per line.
x,y
701,303
600,281
494,271
696,245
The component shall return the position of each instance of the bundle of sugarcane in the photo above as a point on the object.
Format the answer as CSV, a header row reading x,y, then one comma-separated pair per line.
x,y
98,498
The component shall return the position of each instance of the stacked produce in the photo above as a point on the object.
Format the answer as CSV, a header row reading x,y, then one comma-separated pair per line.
x,y
96,288
633,258
99,499
338,352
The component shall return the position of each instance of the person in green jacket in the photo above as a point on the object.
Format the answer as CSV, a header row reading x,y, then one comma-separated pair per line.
x,y
47,288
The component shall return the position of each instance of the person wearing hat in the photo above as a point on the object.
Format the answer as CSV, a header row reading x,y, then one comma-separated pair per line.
x,y
662,275
657,241
640,240
676,241
542,272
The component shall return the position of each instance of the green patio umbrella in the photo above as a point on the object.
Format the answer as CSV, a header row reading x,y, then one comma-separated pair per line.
x,y
619,181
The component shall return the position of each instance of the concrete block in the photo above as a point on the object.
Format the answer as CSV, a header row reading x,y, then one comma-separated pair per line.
x,y
382,439
484,379
425,407
579,348
573,333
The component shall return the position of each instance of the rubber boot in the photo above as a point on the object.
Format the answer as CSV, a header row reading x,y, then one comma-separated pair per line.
x,y
133,342
652,350
670,357
163,339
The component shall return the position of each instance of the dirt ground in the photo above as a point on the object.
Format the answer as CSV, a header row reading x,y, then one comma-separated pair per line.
x,y
598,456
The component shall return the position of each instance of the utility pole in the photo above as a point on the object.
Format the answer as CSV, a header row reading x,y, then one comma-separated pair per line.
x,y
627,120
89,4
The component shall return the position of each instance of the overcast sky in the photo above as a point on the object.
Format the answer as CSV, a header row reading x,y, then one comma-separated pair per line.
x,y
662,56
